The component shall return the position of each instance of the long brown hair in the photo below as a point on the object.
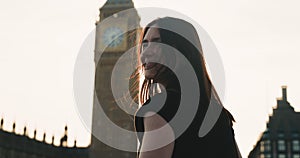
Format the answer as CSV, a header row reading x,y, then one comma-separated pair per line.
x,y
171,31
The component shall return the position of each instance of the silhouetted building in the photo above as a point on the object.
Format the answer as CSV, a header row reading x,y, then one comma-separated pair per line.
x,y
14,145
281,139
110,45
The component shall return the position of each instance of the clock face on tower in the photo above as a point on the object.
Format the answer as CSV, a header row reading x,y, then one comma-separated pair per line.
x,y
112,36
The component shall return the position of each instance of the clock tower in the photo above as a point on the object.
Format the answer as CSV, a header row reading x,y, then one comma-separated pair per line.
x,y
112,40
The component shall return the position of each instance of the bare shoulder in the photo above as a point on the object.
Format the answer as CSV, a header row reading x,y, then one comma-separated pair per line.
x,y
158,138
153,121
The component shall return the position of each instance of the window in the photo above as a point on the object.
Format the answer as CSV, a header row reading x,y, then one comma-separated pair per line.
x,y
265,155
265,146
281,156
295,145
295,135
296,156
280,134
281,145
262,146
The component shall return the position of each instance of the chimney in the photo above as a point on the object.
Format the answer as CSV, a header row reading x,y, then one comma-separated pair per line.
x,y
284,93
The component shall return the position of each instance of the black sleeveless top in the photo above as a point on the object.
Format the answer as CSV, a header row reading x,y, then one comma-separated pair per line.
x,y
218,143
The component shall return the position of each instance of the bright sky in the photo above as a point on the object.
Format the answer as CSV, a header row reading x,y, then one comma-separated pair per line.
x,y
258,41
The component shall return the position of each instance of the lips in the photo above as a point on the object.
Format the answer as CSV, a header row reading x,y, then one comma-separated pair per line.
x,y
148,66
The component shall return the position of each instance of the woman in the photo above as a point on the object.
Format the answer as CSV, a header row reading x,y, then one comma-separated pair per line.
x,y
160,83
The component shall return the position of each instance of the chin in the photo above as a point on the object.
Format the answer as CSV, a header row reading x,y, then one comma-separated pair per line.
x,y
149,75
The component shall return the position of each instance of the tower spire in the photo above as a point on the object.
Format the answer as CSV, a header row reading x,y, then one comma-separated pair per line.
x,y
282,102
284,95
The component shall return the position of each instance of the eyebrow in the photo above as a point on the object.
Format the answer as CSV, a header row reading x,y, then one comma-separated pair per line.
x,y
157,39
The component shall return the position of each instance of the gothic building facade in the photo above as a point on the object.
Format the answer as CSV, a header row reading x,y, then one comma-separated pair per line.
x,y
281,139
13,145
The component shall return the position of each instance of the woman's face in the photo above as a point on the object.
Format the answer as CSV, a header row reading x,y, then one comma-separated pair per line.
x,y
152,50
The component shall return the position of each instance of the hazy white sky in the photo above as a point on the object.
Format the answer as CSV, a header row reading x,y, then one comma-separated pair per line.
x,y
258,41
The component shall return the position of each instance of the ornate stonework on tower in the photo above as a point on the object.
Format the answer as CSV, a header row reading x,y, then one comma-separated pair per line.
x,y
111,38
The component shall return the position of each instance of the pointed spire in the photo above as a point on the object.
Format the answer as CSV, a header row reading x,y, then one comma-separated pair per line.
x,y
75,143
44,137
25,131
66,129
2,122
34,134
14,127
64,139
53,138
282,102
284,95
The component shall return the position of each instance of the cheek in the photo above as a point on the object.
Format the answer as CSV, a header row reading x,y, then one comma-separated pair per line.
x,y
167,57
